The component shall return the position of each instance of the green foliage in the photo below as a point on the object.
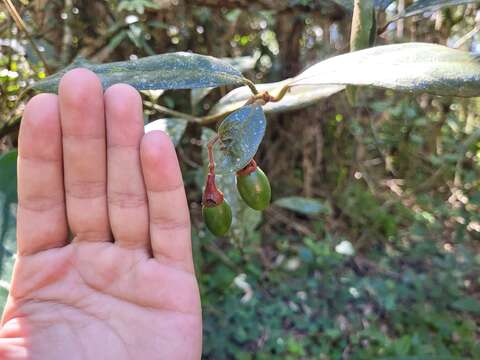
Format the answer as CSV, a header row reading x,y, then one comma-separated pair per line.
x,y
138,6
316,304
414,67
240,135
179,70
380,259
304,206
8,202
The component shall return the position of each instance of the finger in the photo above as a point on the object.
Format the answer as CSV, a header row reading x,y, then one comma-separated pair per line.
x,y
127,200
84,155
168,209
41,219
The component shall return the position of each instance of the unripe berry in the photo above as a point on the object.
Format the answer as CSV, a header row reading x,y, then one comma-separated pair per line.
x,y
218,218
254,187
216,212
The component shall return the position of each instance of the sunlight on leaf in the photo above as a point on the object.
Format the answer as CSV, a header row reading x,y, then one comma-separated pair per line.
x,y
413,67
180,70
240,135
296,98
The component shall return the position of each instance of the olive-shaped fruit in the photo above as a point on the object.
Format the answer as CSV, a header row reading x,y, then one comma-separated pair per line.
x,y
218,218
254,188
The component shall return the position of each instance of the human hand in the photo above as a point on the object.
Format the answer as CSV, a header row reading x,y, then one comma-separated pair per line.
x,y
124,287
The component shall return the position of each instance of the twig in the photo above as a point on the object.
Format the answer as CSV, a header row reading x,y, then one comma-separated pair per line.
x,y
21,25
207,120
466,37
67,34
203,121
211,161
252,86
221,255
302,229
168,111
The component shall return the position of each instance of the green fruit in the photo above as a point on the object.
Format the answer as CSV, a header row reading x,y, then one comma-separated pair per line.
x,y
254,188
218,218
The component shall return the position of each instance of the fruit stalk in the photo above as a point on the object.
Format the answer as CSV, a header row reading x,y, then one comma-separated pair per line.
x,y
217,214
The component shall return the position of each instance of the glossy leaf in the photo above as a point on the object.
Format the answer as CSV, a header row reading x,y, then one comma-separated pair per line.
x,y
297,97
242,63
240,135
413,67
174,127
302,205
422,6
8,204
179,70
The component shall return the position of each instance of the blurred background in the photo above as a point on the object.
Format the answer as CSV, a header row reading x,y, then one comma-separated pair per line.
x,y
371,247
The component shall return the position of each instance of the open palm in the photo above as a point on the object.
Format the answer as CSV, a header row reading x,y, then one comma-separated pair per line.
x,y
124,287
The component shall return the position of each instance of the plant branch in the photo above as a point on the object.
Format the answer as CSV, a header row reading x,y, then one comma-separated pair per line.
x,y
466,37
168,111
206,120
211,160
260,98
252,86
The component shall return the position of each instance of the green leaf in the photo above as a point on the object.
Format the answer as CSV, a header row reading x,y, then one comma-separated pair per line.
x,y
468,304
296,98
413,67
242,63
422,6
302,205
8,203
179,70
174,127
244,218
240,135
